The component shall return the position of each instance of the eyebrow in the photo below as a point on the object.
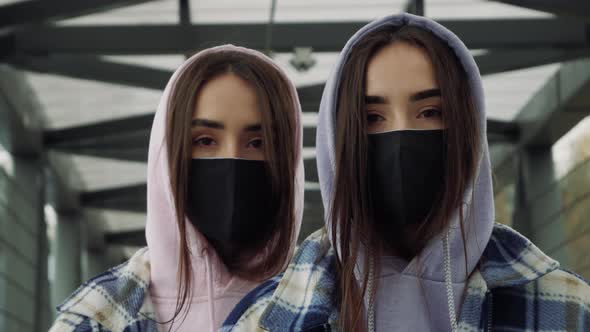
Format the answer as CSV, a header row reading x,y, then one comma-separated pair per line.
x,y
375,100
415,97
218,125
425,94
207,123
254,127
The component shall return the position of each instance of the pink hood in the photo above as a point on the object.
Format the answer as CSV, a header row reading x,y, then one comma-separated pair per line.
x,y
215,290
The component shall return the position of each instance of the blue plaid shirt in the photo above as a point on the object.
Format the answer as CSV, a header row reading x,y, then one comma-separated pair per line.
x,y
115,301
516,287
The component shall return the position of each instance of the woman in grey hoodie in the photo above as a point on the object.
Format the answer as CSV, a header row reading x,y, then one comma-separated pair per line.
x,y
410,242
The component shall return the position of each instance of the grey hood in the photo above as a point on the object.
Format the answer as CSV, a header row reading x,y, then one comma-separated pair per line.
x,y
478,199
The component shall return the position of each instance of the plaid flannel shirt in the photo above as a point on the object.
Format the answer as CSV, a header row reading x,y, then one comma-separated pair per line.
x,y
516,287
115,301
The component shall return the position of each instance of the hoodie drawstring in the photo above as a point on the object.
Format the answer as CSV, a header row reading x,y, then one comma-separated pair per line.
x,y
449,282
210,290
371,309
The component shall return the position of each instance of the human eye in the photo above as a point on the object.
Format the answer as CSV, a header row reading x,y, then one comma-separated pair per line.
x,y
204,141
374,117
430,113
256,143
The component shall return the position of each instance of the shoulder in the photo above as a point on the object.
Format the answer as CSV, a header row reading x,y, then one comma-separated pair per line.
x,y
110,301
511,262
564,286
69,322
557,301
556,287
511,259
529,290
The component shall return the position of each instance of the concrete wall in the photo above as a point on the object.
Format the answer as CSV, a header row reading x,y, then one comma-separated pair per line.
x,y
23,252
24,300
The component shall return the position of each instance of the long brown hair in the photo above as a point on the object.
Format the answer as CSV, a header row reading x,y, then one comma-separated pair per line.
x,y
279,110
350,228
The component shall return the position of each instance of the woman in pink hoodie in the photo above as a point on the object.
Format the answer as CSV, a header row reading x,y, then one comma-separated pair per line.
x,y
225,197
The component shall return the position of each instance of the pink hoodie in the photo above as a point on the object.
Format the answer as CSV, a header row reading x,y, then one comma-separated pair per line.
x,y
214,290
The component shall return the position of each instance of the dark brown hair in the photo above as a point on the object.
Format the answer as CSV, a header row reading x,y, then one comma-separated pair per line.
x,y
278,108
351,229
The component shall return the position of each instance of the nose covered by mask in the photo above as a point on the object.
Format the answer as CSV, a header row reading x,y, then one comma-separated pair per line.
x,y
405,172
231,202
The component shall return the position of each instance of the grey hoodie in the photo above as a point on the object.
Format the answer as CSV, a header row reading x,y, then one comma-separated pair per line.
x,y
424,296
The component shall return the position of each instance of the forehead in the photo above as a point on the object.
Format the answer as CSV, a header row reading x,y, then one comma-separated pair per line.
x,y
399,68
227,97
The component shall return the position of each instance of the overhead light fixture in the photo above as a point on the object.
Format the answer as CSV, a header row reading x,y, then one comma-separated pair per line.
x,y
302,58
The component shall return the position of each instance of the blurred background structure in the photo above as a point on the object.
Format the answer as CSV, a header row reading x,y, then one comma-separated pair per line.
x,y
80,82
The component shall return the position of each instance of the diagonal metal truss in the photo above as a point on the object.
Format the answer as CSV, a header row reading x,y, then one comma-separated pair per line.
x,y
322,37
37,11
579,9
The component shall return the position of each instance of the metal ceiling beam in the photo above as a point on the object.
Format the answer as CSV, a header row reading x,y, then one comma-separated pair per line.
x,y
92,133
134,238
572,8
499,61
415,7
313,213
558,106
184,12
548,115
132,198
310,96
35,11
125,139
126,146
311,170
184,15
322,37
98,69
502,131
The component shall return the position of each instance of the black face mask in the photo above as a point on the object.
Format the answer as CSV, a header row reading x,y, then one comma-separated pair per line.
x,y
406,172
231,203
